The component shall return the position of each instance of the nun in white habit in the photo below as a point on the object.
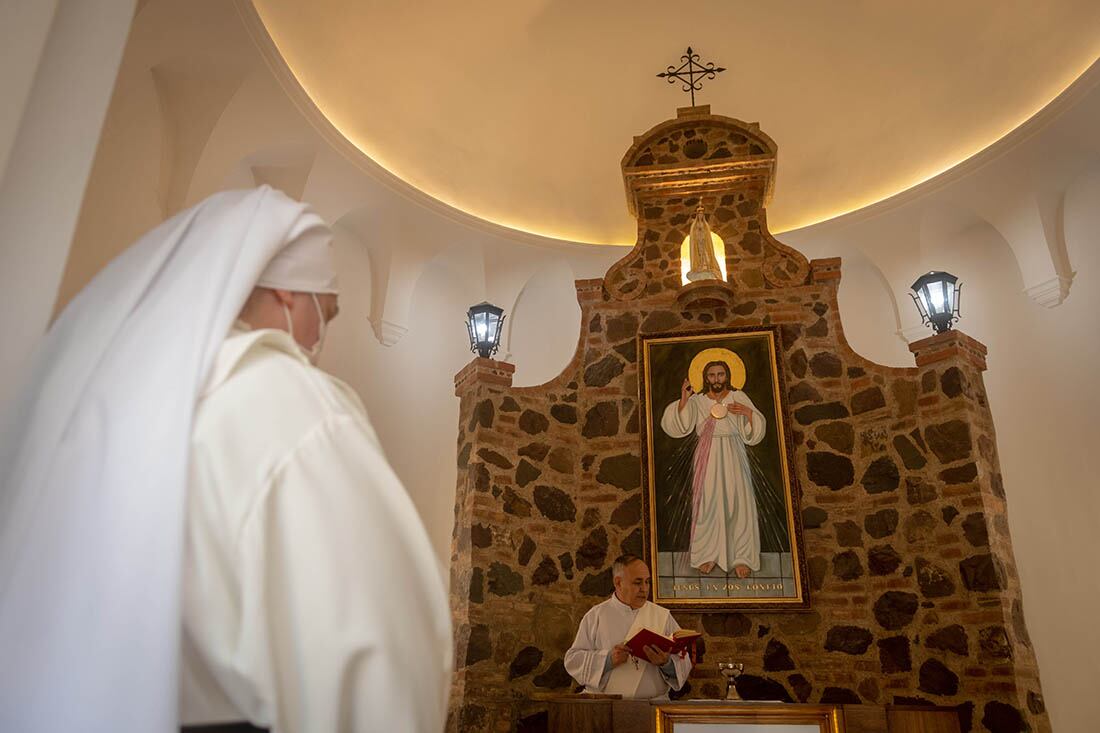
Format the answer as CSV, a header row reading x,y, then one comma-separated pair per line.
x,y
196,524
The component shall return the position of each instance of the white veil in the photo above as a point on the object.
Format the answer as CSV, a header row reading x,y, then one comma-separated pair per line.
x,y
93,470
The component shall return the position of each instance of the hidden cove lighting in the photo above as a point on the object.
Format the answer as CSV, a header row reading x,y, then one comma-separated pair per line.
x,y
484,322
937,298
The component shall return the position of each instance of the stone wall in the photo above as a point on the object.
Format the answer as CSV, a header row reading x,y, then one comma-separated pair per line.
x,y
914,591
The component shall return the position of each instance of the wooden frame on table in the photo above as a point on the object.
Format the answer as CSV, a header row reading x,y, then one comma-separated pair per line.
x,y
828,718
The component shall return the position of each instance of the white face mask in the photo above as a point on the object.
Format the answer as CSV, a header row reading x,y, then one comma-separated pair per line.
x,y
315,353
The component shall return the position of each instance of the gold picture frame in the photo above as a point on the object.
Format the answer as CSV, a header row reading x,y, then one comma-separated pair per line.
x,y
722,522
828,718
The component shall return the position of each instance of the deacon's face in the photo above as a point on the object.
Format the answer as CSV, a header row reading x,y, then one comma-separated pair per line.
x,y
633,587
307,323
717,379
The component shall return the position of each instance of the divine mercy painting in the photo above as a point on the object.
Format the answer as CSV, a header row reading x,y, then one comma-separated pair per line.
x,y
721,504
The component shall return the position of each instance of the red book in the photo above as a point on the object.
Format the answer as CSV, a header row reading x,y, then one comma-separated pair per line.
x,y
680,642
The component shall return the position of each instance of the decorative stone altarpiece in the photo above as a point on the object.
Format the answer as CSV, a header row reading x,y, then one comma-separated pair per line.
x,y
914,591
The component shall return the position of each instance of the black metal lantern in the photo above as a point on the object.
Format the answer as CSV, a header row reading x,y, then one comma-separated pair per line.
x,y
484,321
937,297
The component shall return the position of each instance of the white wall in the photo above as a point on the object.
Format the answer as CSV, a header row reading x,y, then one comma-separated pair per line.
x,y
410,269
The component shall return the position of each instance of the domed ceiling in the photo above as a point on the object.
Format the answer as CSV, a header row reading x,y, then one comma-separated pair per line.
x,y
519,111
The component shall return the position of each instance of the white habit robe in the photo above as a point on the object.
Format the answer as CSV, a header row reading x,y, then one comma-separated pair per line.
x,y
724,527
613,622
312,599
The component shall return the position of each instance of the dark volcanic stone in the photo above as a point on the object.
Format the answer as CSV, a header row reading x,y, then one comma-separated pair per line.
x,y
535,451
950,441
777,658
848,639
999,717
801,686
660,321
980,574
960,474
1035,703
993,642
481,476
839,696
526,473
515,504
623,471
867,400
566,561
803,392
503,581
937,679
919,527
883,560
726,624
526,549
622,327
555,504
561,460
953,382
477,586
910,456
593,551
882,523
533,423
751,687
949,513
602,421
509,405
481,536
546,573
597,584
826,365
818,567
950,639
479,647
464,456
808,414
882,475
977,534
893,654
632,544
483,414
819,329
846,565
555,677
525,662
933,580
837,435
813,517
895,609
830,469
798,363
603,371
848,534
565,414
591,518
491,456
628,513
918,491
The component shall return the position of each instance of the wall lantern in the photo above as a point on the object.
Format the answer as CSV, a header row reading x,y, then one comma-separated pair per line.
x,y
484,321
937,299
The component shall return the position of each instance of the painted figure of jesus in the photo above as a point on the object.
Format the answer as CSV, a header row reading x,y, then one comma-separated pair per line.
x,y
724,527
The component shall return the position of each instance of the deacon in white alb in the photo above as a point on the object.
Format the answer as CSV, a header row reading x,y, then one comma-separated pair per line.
x,y
599,660
198,525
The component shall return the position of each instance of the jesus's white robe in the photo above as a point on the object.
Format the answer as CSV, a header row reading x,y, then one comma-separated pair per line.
x,y
724,529
613,622
312,598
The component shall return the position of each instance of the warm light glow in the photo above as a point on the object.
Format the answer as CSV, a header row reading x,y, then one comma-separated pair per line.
x,y
685,256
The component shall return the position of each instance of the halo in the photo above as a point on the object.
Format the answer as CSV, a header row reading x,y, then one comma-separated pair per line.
x,y
704,357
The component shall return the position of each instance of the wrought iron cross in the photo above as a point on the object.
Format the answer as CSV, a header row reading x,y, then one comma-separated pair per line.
x,y
691,73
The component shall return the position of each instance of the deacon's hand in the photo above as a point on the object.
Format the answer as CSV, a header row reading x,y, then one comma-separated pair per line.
x,y
736,408
656,656
619,654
